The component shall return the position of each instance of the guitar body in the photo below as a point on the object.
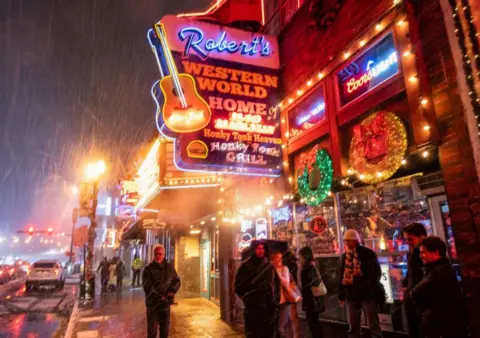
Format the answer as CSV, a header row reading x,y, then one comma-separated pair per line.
x,y
178,118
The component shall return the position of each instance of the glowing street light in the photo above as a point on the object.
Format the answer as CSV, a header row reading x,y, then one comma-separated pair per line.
x,y
95,170
75,190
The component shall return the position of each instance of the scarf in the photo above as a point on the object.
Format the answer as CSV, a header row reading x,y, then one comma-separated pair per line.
x,y
353,267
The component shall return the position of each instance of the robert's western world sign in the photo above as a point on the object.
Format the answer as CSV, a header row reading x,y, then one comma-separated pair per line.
x,y
216,96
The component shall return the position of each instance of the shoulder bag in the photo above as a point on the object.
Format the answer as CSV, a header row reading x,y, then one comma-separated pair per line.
x,y
292,293
320,290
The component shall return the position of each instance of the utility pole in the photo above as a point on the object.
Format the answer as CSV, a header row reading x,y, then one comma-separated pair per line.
x,y
74,221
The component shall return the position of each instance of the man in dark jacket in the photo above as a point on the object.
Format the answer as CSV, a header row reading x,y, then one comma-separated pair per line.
x,y
120,271
104,273
360,275
438,296
160,283
257,284
414,234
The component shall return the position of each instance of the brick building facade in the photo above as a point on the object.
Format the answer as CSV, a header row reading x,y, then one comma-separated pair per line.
x,y
307,47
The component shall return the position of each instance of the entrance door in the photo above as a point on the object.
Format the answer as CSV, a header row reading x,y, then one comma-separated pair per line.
x,y
205,269
442,227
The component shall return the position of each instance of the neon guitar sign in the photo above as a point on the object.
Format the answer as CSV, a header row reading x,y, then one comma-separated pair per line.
x,y
194,38
183,109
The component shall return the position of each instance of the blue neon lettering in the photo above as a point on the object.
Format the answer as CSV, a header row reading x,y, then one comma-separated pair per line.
x,y
191,43
194,38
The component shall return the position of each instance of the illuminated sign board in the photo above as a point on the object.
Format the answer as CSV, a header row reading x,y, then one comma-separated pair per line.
x,y
222,119
307,114
375,66
148,175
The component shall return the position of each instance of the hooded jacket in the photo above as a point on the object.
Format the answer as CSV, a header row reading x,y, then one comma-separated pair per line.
x,y
257,283
441,302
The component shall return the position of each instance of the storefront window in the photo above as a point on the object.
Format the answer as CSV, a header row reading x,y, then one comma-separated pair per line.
x,y
308,113
379,215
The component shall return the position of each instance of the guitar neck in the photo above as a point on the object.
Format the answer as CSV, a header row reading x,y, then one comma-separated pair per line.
x,y
160,30
154,45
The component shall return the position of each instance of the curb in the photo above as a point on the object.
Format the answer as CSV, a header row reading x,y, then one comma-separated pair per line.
x,y
72,321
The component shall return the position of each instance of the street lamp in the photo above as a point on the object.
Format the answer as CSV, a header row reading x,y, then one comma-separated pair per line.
x,y
93,172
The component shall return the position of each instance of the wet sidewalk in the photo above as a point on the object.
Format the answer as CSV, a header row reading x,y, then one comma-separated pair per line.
x,y
123,315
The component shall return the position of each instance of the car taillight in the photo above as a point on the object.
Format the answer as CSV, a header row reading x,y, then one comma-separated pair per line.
x,y
12,271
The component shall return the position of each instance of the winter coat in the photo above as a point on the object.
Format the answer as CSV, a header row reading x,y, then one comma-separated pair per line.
x,y
414,271
158,281
441,302
104,268
120,269
364,287
310,277
257,283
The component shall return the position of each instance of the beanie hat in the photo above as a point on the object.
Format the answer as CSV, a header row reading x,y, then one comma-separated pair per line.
x,y
351,235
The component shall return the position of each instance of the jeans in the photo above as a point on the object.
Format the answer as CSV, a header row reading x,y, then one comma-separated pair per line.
x,y
158,316
354,313
314,324
283,319
119,283
136,277
260,323
294,322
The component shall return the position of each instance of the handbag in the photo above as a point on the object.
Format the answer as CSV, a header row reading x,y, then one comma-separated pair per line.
x,y
320,290
292,293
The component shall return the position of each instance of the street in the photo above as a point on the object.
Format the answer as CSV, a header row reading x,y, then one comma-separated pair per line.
x,y
41,313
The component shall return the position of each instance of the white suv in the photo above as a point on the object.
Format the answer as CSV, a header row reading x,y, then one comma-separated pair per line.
x,y
46,272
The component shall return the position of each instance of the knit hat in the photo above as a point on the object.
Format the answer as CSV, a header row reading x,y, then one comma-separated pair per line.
x,y
351,235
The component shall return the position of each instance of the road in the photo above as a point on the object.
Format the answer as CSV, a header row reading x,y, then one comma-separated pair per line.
x,y
35,314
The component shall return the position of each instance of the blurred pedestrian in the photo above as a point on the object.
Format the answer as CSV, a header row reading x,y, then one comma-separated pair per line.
x,y
283,274
360,275
137,266
120,272
112,280
312,305
104,273
439,296
160,283
414,234
257,284
291,261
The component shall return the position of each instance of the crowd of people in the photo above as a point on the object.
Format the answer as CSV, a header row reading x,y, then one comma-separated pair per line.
x,y
432,296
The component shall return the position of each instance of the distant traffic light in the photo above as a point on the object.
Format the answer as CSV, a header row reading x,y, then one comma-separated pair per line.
x,y
30,231
50,231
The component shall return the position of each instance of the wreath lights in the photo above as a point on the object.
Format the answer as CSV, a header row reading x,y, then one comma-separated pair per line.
x,y
321,161
378,147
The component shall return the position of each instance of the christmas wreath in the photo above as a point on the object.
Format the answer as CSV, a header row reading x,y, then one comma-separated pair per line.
x,y
378,146
318,163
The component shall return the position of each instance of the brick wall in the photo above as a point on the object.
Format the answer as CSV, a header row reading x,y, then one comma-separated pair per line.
x,y
304,50
456,158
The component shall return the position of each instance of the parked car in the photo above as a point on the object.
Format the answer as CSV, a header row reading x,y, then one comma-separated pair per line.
x,y
46,273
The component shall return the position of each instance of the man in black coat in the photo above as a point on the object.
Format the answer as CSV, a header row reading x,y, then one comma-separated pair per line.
x,y
439,297
160,283
414,234
257,284
360,289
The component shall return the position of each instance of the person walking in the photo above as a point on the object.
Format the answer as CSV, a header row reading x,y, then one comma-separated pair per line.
x,y
414,234
312,305
258,285
283,274
137,266
120,272
104,273
292,263
112,280
439,296
160,283
360,286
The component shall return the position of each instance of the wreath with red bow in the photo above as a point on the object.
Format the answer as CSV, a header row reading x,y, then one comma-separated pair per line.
x,y
378,146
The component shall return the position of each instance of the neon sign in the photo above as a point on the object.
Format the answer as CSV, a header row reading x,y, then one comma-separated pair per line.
x,y
195,37
377,65
372,72
307,114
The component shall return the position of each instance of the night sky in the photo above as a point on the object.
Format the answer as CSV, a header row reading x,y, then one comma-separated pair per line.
x,y
74,85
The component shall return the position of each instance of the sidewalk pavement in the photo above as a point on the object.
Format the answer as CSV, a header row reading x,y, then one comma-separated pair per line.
x,y
123,314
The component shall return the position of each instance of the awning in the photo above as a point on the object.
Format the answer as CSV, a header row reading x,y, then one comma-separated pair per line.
x,y
134,232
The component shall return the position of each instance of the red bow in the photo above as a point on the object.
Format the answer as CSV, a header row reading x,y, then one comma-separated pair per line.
x,y
371,139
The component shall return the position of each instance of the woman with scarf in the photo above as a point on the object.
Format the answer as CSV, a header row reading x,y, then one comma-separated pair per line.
x,y
360,286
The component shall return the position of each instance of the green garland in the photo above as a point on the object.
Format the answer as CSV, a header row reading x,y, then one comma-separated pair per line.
x,y
324,163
